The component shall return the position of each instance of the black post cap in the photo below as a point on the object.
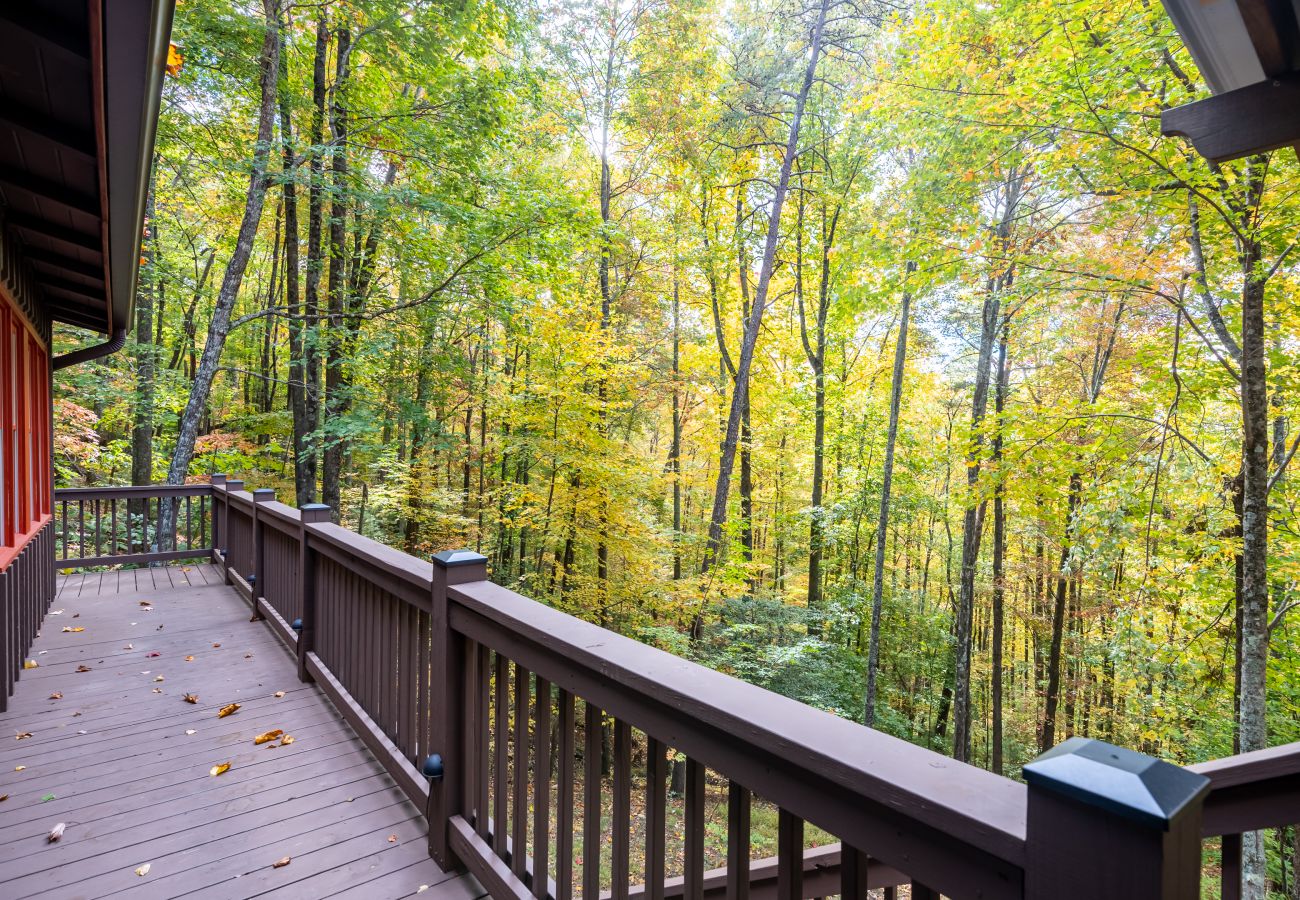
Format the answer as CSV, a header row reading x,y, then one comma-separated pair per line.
x,y
449,559
432,767
1124,782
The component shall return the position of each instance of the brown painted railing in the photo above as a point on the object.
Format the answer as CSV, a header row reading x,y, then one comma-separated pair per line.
x,y
120,526
26,589
500,715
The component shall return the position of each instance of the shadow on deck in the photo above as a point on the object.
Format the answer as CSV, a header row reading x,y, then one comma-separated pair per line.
x,y
108,745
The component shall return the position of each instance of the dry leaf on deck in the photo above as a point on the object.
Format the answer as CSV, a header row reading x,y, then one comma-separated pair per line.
x,y
157,690
83,668
19,768
227,710
158,678
57,695
421,889
219,770
151,654
129,647
191,698
286,740
392,839
30,664
56,832
191,731
3,797
214,646
248,656
189,659
68,629
279,694
143,870
146,603
23,734
281,863
269,736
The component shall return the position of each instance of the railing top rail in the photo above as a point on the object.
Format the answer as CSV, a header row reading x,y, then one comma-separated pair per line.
x,y
281,511
128,492
1247,768
968,806
401,565
1249,791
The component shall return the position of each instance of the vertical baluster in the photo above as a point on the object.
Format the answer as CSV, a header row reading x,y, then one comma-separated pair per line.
x,y
98,542
204,505
475,725
1231,867
789,852
113,545
501,788
738,811
542,788
408,694
189,521
81,528
891,893
693,873
64,531
622,825
519,811
591,803
656,771
483,685
564,803
853,873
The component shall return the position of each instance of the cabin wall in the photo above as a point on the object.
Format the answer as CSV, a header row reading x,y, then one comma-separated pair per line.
x,y
26,465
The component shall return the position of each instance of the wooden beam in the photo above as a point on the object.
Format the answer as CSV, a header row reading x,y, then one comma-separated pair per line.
x,y
73,289
73,39
48,229
1271,25
67,137
50,191
1253,119
51,260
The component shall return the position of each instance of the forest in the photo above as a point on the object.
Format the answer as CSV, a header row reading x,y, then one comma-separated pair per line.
x,y
883,354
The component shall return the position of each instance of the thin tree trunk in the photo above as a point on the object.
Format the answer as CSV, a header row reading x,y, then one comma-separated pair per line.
x,y
886,486
1047,738
332,457
999,553
315,265
219,327
739,397
146,354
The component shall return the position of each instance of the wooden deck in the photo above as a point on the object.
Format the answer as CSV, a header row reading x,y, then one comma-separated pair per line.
x,y
123,760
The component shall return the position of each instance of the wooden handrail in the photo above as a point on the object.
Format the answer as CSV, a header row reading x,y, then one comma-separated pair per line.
x,y
1249,791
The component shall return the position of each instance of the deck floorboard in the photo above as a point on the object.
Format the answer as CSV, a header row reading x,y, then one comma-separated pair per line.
x,y
123,760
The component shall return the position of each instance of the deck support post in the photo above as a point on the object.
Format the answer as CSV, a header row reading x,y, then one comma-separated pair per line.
x,y
309,514
447,692
1104,821
258,581
218,517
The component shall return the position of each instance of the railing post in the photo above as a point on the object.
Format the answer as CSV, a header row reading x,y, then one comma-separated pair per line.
x,y
447,702
257,578
218,524
233,486
308,515
1104,821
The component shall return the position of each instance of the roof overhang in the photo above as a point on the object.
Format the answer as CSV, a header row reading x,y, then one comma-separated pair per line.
x,y
80,86
1248,51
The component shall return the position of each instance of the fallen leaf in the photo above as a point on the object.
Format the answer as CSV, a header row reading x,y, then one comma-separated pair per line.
x,y
227,710
279,694
30,664
143,870
159,628
57,695
83,668
248,656
151,654
67,629
392,839
129,647
76,615
56,832
268,736
3,797
189,659
158,678
286,740
19,768
81,732
75,714
145,603
421,889
56,612
157,690
190,731
191,698
23,734
47,798
215,646
281,863
219,770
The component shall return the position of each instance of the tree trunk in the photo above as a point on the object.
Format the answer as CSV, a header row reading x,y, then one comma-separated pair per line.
x,y
219,327
740,396
336,286
315,265
886,486
1047,738
999,553
146,355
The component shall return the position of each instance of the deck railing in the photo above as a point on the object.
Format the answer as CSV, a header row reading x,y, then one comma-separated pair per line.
x,y
120,525
509,721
